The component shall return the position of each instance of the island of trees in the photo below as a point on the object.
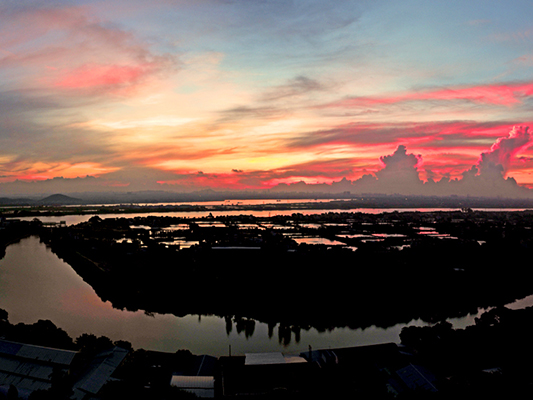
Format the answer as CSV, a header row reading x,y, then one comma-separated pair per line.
x,y
382,269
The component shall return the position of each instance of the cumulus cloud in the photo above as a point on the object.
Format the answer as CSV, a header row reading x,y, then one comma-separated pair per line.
x,y
399,162
504,149
487,177
401,173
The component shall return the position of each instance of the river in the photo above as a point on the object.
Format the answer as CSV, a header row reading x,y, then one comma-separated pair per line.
x,y
35,284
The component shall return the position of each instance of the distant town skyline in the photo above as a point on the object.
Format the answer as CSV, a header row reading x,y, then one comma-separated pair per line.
x,y
411,97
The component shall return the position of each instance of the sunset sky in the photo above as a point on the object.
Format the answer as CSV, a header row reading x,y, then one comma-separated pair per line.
x,y
250,94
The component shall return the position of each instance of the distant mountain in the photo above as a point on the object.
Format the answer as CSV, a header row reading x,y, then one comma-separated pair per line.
x,y
59,199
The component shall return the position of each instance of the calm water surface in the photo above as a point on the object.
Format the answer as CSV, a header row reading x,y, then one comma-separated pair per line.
x,y
76,219
35,284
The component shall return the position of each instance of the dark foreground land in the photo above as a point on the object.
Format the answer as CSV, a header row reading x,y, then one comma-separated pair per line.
x,y
489,360
379,269
371,270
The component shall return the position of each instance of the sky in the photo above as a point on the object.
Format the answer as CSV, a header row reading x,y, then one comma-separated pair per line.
x,y
411,96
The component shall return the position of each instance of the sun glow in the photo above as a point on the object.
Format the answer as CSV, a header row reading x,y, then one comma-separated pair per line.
x,y
252,94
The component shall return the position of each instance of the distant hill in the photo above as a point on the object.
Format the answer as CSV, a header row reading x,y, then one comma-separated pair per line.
x,y
59,199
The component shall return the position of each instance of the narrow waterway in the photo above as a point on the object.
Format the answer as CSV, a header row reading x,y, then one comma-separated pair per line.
x,y
35,284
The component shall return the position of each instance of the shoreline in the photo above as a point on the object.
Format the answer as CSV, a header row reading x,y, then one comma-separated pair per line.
x,y
394,272
360,203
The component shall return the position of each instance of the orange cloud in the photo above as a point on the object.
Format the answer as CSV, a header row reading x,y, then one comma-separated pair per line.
x,y
40,171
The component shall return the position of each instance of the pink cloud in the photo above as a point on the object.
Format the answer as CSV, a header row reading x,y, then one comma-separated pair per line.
x,y
71,48
320,171
506,148
200,180
434,136
97,76
503,94
403,172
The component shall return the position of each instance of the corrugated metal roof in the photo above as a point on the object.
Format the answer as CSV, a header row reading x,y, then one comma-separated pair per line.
x,y
55,356
37,353
22,383
9,347
34,371
30,367
99,372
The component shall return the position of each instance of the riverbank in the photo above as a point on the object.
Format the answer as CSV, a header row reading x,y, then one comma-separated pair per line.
x,y
310,293
239,272
490,359
349,202
13,231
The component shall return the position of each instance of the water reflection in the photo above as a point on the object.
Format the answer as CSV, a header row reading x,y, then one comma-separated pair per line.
x,y
35,284
76,219
316,240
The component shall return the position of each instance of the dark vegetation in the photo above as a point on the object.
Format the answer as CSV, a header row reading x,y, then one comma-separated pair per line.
x,y
491,359
12,232
135,378
246,267
431,265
